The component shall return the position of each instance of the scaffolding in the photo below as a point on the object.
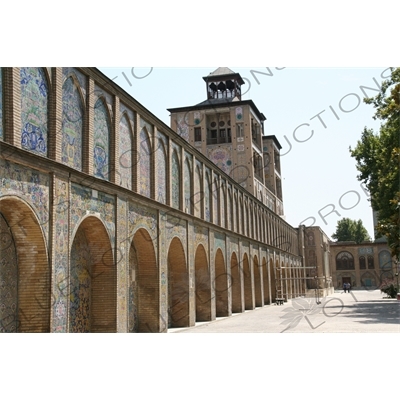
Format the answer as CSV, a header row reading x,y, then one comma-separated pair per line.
x,y
279,292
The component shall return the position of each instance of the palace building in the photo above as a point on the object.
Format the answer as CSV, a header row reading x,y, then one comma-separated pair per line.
x,y
112,221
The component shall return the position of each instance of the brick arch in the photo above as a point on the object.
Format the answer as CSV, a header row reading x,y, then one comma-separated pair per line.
x,y
221,285
144,303
273,280
257,282
93,280
236,285
248,296
202,285
265,281
25,271
178,286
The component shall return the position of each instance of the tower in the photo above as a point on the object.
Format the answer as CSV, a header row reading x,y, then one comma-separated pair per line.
x,y
230,132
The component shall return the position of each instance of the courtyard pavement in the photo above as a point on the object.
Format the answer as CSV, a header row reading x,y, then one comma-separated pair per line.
x,y
360,311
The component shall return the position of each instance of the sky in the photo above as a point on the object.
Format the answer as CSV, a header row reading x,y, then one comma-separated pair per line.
x,y
317,114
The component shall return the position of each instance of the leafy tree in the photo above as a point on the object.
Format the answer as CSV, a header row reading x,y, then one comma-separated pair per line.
x,y
349,230
378,159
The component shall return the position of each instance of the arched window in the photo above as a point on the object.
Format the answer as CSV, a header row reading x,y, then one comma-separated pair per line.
x,y
144,164
344,261
371,262
175,184
34,110
362,262
101,140
72,125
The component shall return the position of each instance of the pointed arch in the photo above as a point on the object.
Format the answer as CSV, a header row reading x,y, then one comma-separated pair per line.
x,y
273,280
198,196
178,286
207,199
93,280
216,202
202,285
34,110
236,285
265,281
25,295
221,286
144,303
101,139
72,124
248,295
162,172
176,181
126,141
257,282
187,178
145,165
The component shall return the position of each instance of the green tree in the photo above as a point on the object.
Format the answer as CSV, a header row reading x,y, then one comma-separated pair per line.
x,y
349,230
378,159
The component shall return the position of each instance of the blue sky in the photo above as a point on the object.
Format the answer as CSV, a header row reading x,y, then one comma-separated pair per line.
x,y
320,183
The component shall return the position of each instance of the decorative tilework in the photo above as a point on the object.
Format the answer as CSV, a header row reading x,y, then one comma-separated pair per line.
x,y
221,157
207,197
34,110
239,113
197,118
161,172
200,236
1,105
101,139
72,126
215,194
219,241
80,285
142,217
29,184
176,227
385,260
197,195
148,126
87,201
365,250
61,256
122,276
8,280
125,153
144,164
187,179
133,322
70,71
222,210
107,98
182,126
175,185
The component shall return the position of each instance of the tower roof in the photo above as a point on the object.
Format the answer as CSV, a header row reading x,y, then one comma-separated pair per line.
x,y
222,73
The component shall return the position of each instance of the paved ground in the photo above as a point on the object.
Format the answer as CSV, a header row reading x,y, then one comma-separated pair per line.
x,y
360,311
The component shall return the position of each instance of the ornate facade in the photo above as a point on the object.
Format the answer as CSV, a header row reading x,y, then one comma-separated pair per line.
x,y
113,222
